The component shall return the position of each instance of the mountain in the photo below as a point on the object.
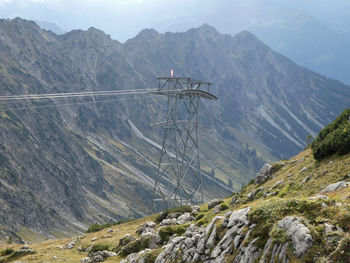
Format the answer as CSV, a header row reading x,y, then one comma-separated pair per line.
x,y
296,210
50,26
68,163
308,33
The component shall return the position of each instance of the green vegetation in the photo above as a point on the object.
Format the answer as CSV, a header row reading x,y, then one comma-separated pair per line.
x,y
7,251
224,207
97,227
99,247
342,253
334,138
136,246
151,255
268,213
166,232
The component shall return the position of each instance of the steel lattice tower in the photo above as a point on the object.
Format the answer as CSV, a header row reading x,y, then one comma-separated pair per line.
x,y
179,179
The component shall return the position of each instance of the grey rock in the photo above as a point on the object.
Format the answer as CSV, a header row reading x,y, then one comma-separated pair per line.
x,y
184,218
335,187
306,179
216,209
196,209
233,200
239,217
70,245
213,203
226,218
318,196
174,215
250,254
97,258
266,251
290,175
148,232
264,173
328,228
136,257
339,229
167,222
251,195
110,231
299,234
304,169
211,240
278,183
146,227
294,161
126,240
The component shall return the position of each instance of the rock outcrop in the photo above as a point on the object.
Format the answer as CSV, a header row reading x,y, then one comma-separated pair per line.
x,y
264,173
336,186
229,238
298,233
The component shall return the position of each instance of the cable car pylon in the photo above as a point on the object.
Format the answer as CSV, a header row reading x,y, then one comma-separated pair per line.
x,y
179,180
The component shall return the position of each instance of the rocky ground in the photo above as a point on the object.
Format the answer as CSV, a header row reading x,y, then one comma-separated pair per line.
x,y
296,210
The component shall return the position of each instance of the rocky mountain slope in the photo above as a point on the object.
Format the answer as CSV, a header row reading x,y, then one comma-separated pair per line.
x,y
68,163
296,210
311,33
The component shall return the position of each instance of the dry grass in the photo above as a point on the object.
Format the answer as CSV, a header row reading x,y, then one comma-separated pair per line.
x,y
320,175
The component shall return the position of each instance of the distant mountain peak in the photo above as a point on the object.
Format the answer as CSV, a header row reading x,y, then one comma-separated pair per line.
x,y
247,36
148,32
205,29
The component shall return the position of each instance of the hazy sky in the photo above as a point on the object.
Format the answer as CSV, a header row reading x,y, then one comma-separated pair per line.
x,y
123,19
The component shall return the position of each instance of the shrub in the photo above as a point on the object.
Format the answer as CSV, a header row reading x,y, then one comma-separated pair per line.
x,y
279,235
6,252
334,138
151,256
99,247
223,207
199,217
97,227
136,246
166,232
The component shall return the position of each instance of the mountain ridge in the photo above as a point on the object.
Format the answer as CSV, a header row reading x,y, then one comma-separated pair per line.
x,y
296,210
90,156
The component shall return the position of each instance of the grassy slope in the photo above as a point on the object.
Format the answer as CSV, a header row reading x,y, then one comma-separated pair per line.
x,y
291,191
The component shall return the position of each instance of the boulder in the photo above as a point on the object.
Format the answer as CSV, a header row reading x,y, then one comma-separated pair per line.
x,y
184,218
239,217
306,179
196,209
298,233
233,200
304,169
124,241
335,187
168,222
213,203
146,227
216,209
277,183
264,173
174,215
70,245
